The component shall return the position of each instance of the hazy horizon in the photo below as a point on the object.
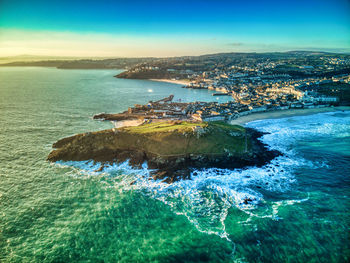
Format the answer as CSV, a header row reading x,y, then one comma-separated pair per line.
x,y
161,29
29,57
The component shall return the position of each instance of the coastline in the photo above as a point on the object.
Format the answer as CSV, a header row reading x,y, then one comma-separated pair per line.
x,y
180,82
285,113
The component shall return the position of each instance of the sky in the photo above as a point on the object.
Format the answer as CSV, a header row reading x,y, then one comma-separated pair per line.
x,y
108,28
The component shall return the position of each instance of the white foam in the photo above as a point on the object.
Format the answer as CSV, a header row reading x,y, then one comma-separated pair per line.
x,y
206,198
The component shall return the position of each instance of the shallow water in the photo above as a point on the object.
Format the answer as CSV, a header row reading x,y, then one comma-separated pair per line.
x,y
65,212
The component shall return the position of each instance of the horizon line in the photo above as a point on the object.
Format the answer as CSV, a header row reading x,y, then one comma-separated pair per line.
x,y
164,57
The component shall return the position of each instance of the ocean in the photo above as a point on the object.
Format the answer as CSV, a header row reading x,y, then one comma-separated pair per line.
x,y
66,212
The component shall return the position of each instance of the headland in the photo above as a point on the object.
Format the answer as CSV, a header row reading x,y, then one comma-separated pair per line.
x,y
166,136
174,138
173,149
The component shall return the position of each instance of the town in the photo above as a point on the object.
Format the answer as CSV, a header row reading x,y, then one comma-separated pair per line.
x,y
252,82
268,100
256,83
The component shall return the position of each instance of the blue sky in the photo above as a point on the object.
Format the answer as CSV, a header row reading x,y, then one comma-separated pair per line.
x,y
167,28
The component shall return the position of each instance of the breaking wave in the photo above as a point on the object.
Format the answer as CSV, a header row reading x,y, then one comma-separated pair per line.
x,y
206,198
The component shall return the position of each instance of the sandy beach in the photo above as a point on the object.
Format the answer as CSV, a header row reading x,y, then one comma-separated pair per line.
x,y
180,81
126,123
285,113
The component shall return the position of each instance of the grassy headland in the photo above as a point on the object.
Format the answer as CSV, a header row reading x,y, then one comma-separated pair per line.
x,y
170,147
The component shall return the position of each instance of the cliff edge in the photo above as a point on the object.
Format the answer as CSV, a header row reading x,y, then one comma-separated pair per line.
x,y
171,148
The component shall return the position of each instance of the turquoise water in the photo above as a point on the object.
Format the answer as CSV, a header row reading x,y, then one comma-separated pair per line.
x,y
68,213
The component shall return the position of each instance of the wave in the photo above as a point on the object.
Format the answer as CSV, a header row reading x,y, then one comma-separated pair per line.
x,y
206,198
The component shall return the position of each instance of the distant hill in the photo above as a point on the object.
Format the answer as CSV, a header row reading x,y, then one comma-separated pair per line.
x,y
73,63
194,63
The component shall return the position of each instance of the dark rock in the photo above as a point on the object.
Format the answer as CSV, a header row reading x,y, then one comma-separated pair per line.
x,y
173,155
247,200
133,182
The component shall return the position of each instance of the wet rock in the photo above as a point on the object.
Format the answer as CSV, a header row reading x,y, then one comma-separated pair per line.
x,y
173,155
100,169
247,200
133,182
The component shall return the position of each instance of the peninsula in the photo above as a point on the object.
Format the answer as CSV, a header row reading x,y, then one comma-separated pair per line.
x,y
175,137
171,144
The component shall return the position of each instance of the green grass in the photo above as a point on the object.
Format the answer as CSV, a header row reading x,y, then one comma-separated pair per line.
x,y
165,127
227,127
182,127
166,138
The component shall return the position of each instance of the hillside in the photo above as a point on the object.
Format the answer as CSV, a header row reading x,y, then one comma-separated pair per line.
x,y
173,148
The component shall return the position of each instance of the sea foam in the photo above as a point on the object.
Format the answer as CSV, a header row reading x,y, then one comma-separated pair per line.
x,y
206,198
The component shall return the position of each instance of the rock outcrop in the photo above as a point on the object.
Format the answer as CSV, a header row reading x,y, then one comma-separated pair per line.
x,y
172,149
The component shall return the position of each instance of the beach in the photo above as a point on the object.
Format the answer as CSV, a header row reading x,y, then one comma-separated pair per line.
x,y
71,211
126,123
285,113
174,81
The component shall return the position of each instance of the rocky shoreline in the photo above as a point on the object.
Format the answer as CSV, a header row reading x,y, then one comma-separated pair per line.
x,y
172,149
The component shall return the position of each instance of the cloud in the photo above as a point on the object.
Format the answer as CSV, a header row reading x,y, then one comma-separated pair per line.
x,y
235,44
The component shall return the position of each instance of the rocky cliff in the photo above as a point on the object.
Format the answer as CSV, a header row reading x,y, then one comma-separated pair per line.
x,y
172,148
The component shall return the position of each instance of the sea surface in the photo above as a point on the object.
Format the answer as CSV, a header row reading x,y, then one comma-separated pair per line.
x,y
66,212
